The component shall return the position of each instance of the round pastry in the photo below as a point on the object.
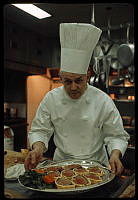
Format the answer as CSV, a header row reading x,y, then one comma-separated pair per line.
x,y
80,181
64,183
68,173
96,170
93,177
80,170
54,174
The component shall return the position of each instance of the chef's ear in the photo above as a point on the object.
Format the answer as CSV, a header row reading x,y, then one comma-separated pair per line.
x,y
89,73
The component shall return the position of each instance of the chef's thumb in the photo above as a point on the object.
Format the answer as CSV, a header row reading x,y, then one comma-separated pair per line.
x,y
112,164
109,167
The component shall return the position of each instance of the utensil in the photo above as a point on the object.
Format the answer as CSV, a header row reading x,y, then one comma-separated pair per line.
x,y
118,81
45,162
115,64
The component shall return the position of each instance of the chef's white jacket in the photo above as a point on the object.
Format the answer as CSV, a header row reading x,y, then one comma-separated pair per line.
x,y
81,126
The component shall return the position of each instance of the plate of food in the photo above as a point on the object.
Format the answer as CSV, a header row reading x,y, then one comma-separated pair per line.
x,y
67,176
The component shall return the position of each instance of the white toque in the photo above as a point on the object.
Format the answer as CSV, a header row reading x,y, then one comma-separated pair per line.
x,y
78,41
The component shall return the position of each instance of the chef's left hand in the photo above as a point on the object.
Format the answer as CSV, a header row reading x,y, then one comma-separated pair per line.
x,y
115,162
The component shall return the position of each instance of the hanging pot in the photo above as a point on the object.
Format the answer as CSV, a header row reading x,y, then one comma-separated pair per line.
x,y
125,52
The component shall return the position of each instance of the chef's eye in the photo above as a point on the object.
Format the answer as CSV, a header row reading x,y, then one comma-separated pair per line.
x,y
78,81
67,81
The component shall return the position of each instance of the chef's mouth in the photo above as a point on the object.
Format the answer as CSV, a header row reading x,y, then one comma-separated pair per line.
x,y
74,92
75,95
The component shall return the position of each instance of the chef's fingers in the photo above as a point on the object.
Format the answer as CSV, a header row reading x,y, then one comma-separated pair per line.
x,y
119,167
33,157
30,161
109,167
30,166
113,167
27,161
36,157
116,167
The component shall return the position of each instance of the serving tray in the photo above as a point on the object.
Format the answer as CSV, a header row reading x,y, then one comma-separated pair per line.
x,y
107,177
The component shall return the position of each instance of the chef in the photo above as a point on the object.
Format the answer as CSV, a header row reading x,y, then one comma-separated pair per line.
x,y
83,119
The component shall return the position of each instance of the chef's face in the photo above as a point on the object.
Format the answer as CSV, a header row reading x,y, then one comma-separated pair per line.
x,y
74,84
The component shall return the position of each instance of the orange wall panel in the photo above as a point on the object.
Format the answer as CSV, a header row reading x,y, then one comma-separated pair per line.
x,y
37,87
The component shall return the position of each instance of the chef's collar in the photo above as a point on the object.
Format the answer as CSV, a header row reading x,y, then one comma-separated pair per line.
x,y
66,99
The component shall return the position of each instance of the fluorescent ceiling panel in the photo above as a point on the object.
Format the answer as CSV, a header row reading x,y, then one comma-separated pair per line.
x,y
33,10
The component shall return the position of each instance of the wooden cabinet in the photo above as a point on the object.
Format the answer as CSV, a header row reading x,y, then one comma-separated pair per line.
x,y
26,47
56,53
15,42
39,50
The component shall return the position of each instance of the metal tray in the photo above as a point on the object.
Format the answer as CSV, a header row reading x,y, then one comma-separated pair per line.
x,y
108,176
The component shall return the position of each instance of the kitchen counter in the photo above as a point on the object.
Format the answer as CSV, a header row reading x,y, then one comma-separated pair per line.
x,y
118,187
129,192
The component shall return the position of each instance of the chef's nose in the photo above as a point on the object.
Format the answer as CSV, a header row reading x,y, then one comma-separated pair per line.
x,y
73,85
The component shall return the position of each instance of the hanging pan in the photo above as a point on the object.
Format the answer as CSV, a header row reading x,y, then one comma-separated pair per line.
x,y
125,52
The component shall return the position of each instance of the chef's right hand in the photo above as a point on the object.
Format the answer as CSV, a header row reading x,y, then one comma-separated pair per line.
x,y
32,159
34,156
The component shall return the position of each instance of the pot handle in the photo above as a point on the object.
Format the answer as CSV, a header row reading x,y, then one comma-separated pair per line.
x,y
128,29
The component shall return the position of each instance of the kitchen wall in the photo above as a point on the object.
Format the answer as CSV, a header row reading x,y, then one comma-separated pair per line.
x,y
37,87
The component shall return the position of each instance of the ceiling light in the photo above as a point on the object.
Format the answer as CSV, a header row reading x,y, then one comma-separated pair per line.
x,y
33,10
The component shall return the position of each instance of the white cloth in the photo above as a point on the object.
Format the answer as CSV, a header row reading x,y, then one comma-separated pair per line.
x,y
8,141
78,41
15,171
81,127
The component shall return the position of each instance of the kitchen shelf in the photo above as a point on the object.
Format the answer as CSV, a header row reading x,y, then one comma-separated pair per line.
x,y
129,91
125,100
122,86
126,108
129,128
14,120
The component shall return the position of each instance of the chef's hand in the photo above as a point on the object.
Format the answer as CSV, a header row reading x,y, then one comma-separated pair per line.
x,y
34,156
115,162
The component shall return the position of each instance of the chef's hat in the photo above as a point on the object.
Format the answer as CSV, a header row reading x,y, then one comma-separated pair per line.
x,y
78,41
